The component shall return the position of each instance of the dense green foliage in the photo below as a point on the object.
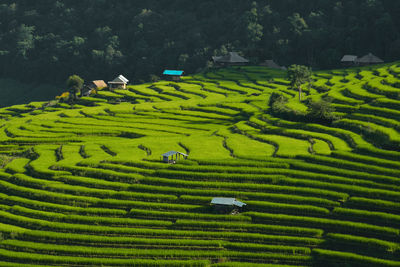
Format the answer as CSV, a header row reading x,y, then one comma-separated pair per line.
x,y
49,40
82,183
299,75
74,85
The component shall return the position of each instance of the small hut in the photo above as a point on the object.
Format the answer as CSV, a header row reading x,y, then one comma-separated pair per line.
x,y
226,204
231,59
97,84
119,82
269,63
174,75
169,156
93,86
349,60
369,59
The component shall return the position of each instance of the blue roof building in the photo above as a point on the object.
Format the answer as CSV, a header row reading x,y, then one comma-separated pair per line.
x,y
174,75
173,72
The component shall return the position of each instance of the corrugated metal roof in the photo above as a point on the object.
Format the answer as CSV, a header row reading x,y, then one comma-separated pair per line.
x,y
348,58
120,79
239,203
228,201
223,200
173,72
170,153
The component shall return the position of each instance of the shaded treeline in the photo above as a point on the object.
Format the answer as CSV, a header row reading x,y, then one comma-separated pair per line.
x,y
46,40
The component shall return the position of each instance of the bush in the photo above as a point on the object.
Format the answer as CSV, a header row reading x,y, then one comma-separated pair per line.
x,y
321,111
278,102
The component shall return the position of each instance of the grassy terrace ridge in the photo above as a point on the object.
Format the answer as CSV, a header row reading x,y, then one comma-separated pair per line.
x,y
83,185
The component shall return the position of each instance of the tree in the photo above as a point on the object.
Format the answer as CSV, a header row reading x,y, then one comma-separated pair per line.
x,y
25,40
74,85
299,75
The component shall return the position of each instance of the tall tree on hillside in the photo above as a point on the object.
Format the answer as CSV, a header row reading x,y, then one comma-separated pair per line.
x,y
74,85
249,30
299,75
25,40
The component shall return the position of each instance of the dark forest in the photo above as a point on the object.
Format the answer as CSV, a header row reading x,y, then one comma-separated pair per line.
x,y
46,40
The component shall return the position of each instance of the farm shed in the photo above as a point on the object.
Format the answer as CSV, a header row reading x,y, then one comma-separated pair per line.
x,y
349,60
170,154
231,59
224,204
93,85
173,74
97,84
271,64
369,59
119,82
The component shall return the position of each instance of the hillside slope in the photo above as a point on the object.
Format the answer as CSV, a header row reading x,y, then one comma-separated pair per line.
x,y
13,92
85,185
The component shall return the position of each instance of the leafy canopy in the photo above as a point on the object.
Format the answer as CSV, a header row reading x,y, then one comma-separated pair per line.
x,y
74,83
299,75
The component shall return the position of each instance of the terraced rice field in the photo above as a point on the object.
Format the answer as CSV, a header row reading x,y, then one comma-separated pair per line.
x,y
86,185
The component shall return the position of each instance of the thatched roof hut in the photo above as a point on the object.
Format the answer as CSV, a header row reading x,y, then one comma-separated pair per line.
x,y
97,84
369,59
271,64
232,58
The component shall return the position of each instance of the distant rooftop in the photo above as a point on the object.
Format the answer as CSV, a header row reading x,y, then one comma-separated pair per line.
x,y
231,57
271,64
99,83
227,201
370,58
170,153
173,72
348,58
120,79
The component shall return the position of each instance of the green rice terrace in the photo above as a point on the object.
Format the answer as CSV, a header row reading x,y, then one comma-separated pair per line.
x,y
85,185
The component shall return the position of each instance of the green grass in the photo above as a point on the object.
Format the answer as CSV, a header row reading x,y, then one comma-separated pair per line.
x,y
85,184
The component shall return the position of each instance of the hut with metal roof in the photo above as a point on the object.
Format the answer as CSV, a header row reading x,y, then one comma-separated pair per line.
x,y
174,75
369,59
119,82
169,156
226,204
231,59
349,60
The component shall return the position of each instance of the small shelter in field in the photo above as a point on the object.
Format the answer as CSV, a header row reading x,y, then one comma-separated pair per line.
x,y
118,83
369,59
269,63
97,84
169,156
174,75
349,60
92,86
231,59
226,204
